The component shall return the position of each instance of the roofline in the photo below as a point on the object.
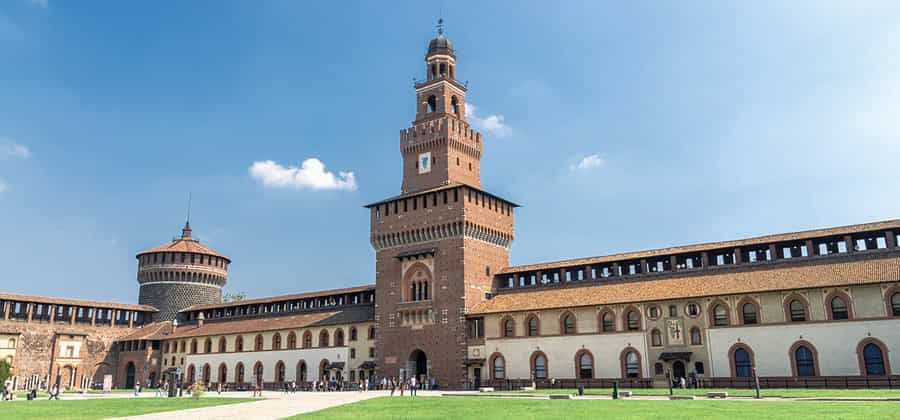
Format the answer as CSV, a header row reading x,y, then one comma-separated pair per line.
x,y
278,298
436,189
703,246
77,302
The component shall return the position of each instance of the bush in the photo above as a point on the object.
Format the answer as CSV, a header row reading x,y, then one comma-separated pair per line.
x,y
197,390
4,371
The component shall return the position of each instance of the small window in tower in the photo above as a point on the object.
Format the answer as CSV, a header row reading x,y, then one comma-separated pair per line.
x,y
432,103
443,68
445,197
470,166
457,161
456,195
454,104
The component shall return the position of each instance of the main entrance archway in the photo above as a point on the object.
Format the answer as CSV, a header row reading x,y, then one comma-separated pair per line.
x,y
129,375
418,365
678,369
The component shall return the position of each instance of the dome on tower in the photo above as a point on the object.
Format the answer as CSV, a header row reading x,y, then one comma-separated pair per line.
x,y
440,44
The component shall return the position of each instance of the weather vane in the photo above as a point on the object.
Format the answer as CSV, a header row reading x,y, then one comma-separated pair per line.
x,y
440,26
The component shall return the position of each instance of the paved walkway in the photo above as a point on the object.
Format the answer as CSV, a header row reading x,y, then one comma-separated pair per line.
x,y
276,405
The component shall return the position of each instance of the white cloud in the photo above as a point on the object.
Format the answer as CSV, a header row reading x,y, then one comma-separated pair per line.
x,y
310,175
588,162
39,3
9,148
492,124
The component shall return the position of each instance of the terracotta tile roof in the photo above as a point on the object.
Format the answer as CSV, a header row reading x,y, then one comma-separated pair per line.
x,y
77,302
439,188
154,331
760,240
184,245
821,274
348,315
282,298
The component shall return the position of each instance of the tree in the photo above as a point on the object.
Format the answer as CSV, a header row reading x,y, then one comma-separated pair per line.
x,y
4,371
234,297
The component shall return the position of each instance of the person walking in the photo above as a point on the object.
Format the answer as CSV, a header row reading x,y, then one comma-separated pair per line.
x,y
393,386
54,392
412,386
137,389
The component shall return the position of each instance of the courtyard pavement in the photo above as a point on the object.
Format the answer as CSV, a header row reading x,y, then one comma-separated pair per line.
x,y
273,405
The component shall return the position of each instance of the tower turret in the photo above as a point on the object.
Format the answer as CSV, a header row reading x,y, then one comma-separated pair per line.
x,y
180,274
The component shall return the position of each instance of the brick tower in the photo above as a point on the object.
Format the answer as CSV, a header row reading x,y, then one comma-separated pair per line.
x,y
179,274
439,242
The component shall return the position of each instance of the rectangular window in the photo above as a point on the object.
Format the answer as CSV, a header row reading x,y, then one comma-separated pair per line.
x,y
556,276
533,280
880,242
425,202
580,275
456,195
395,207
568,276
445,197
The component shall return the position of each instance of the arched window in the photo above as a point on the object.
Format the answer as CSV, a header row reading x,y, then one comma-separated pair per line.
x,y
568,323
191,374
749,314
222,345
585,364
353,333
292,340
742,362
276,341
339,338
194,346
323,338
720,315
631,363
258,372
895,304
223,374
207,346
508,327
279,371
301,371
539,365
804,361
371,333
454,106
533,326
205,374
182,346
239,343
498,367
239,373
432,103
655,338
839,309
696,338
307,340
633,320
796,310
258,343
608,322
874,360
658,369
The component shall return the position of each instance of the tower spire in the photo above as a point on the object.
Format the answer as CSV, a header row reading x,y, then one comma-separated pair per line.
x,y
440,26
186,231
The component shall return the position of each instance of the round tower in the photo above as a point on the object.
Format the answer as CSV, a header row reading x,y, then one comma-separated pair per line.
x,y
180,274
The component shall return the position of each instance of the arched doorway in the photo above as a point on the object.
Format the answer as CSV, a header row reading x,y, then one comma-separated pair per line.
x,y
206,374
67,379
418,365
301,371
223,374
678,369
129,375
323,370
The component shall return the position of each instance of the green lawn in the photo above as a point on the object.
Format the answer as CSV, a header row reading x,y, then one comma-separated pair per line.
x,y
100,408
774,392
444,408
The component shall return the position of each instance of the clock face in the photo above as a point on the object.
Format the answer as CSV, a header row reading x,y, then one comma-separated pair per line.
x,y
425,162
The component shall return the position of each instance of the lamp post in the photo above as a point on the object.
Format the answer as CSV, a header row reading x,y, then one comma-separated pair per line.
x,y
669,380
756,381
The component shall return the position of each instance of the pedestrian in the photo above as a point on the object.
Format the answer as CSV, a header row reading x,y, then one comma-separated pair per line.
x,y
54,393
293,387
137,389
681,382
158,390
393,387
402,385
412,386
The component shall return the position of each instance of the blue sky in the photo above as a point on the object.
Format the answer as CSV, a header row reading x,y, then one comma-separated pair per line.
x,y
617,127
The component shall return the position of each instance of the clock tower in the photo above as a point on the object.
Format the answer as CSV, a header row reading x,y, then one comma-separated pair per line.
x,y
440,241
